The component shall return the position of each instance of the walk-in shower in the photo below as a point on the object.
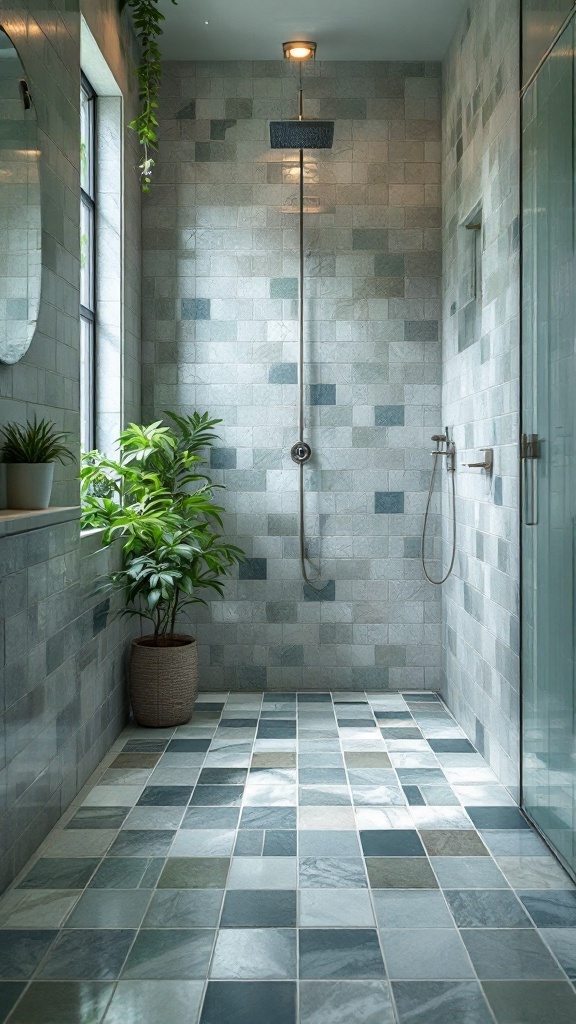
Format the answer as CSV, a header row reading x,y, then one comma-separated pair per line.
x,y
445,449
301,134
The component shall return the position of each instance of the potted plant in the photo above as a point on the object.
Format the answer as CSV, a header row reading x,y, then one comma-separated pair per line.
x,y
29,453
157,499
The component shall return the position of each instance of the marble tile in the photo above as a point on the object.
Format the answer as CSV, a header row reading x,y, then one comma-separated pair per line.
x,y
170,954
156,1002
323,796
550,908
337,818
468,873
194,873
208,818
59,873
510,954
263,873
340,953
98,817
400,873
534,873
411,908
249,1002
337,1002
517,843
94,955
142,843
113,796
421,955
102,908
49,1002
184,908
202,843
10,992
22,950
127,873
380,818
259,908
335,908
268,818
163,819
562,942
255,953
531,1002
437,1002
486,908
78,843
36,908
456,843
440,818
332,873
327,843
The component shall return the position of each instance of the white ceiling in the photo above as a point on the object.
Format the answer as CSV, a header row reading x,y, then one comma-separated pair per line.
x,y
343,29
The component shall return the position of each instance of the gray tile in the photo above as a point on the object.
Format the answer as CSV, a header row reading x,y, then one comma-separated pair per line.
x,y
332,873
510,954
411,908
342,1002
170,954
101,908
335,908
184,908
95,955
437,1002
49,1002
421,956
255,953
173,1002
21,952
486,908
468,873
389,503
340,953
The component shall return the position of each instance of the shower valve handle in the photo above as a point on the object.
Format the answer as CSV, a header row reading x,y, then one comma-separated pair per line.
x,y
301,452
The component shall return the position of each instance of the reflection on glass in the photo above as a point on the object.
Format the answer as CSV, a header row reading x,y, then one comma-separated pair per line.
x,y
549,370
20,221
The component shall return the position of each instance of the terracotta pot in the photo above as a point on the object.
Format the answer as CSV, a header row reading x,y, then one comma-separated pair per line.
x,y
163,681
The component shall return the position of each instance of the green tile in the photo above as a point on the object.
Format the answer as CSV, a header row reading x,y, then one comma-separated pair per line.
x,y
63,1003
195,873
60,873
531,1002
103,908
145,1002
170,954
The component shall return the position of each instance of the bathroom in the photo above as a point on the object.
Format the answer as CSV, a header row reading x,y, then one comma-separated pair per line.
x,y
370,813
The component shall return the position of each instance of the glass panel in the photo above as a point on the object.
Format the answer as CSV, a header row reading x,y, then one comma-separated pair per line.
x,y
549,380
86,141
86,256
86,385
541,21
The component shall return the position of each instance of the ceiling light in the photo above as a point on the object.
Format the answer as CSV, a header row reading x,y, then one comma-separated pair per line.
x,y
299,49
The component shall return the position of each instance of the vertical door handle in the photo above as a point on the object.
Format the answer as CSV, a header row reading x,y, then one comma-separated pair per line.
x,y
529,455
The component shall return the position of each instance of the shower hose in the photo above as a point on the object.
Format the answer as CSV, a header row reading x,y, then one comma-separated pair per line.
x,y
438,583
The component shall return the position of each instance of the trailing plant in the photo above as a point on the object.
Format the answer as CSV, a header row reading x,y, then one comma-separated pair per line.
x,y
36,442
157,498
147,21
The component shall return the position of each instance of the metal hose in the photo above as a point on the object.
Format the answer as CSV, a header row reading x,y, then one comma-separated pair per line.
x,y
439,583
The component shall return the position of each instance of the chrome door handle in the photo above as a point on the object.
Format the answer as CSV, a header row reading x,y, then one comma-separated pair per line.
x,y
529,455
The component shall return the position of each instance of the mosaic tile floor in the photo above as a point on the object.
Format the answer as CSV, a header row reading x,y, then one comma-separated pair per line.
x,y
321,860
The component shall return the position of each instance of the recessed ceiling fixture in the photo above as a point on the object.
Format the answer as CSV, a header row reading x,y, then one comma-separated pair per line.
x,y
299,49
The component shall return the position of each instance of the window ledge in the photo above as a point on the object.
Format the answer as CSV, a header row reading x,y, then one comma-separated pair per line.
x,y
17,521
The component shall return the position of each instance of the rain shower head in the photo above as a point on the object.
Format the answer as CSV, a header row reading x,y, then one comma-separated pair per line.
x,y
301,134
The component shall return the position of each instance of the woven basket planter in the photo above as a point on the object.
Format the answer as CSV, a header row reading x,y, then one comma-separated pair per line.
x,y
163,681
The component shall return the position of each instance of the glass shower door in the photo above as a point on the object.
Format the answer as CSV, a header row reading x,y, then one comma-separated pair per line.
x,y
548,450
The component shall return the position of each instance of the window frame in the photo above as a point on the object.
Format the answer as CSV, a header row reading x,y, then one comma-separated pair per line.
x,y
88,317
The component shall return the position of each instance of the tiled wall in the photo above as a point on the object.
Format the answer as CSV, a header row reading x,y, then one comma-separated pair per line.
x,y
61,681
480,399
220,333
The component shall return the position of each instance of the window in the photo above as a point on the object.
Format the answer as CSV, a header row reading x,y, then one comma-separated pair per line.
x,y
87,264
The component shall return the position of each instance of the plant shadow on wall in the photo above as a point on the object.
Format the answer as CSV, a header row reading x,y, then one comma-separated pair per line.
x,y
158,500
147,21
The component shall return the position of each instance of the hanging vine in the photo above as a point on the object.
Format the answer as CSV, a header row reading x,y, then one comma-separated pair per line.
x,y
147,20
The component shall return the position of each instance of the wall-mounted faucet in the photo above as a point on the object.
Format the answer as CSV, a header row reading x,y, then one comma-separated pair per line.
x,y
487,465
445,447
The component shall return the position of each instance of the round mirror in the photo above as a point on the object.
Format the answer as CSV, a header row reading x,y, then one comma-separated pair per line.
x,y
20,216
